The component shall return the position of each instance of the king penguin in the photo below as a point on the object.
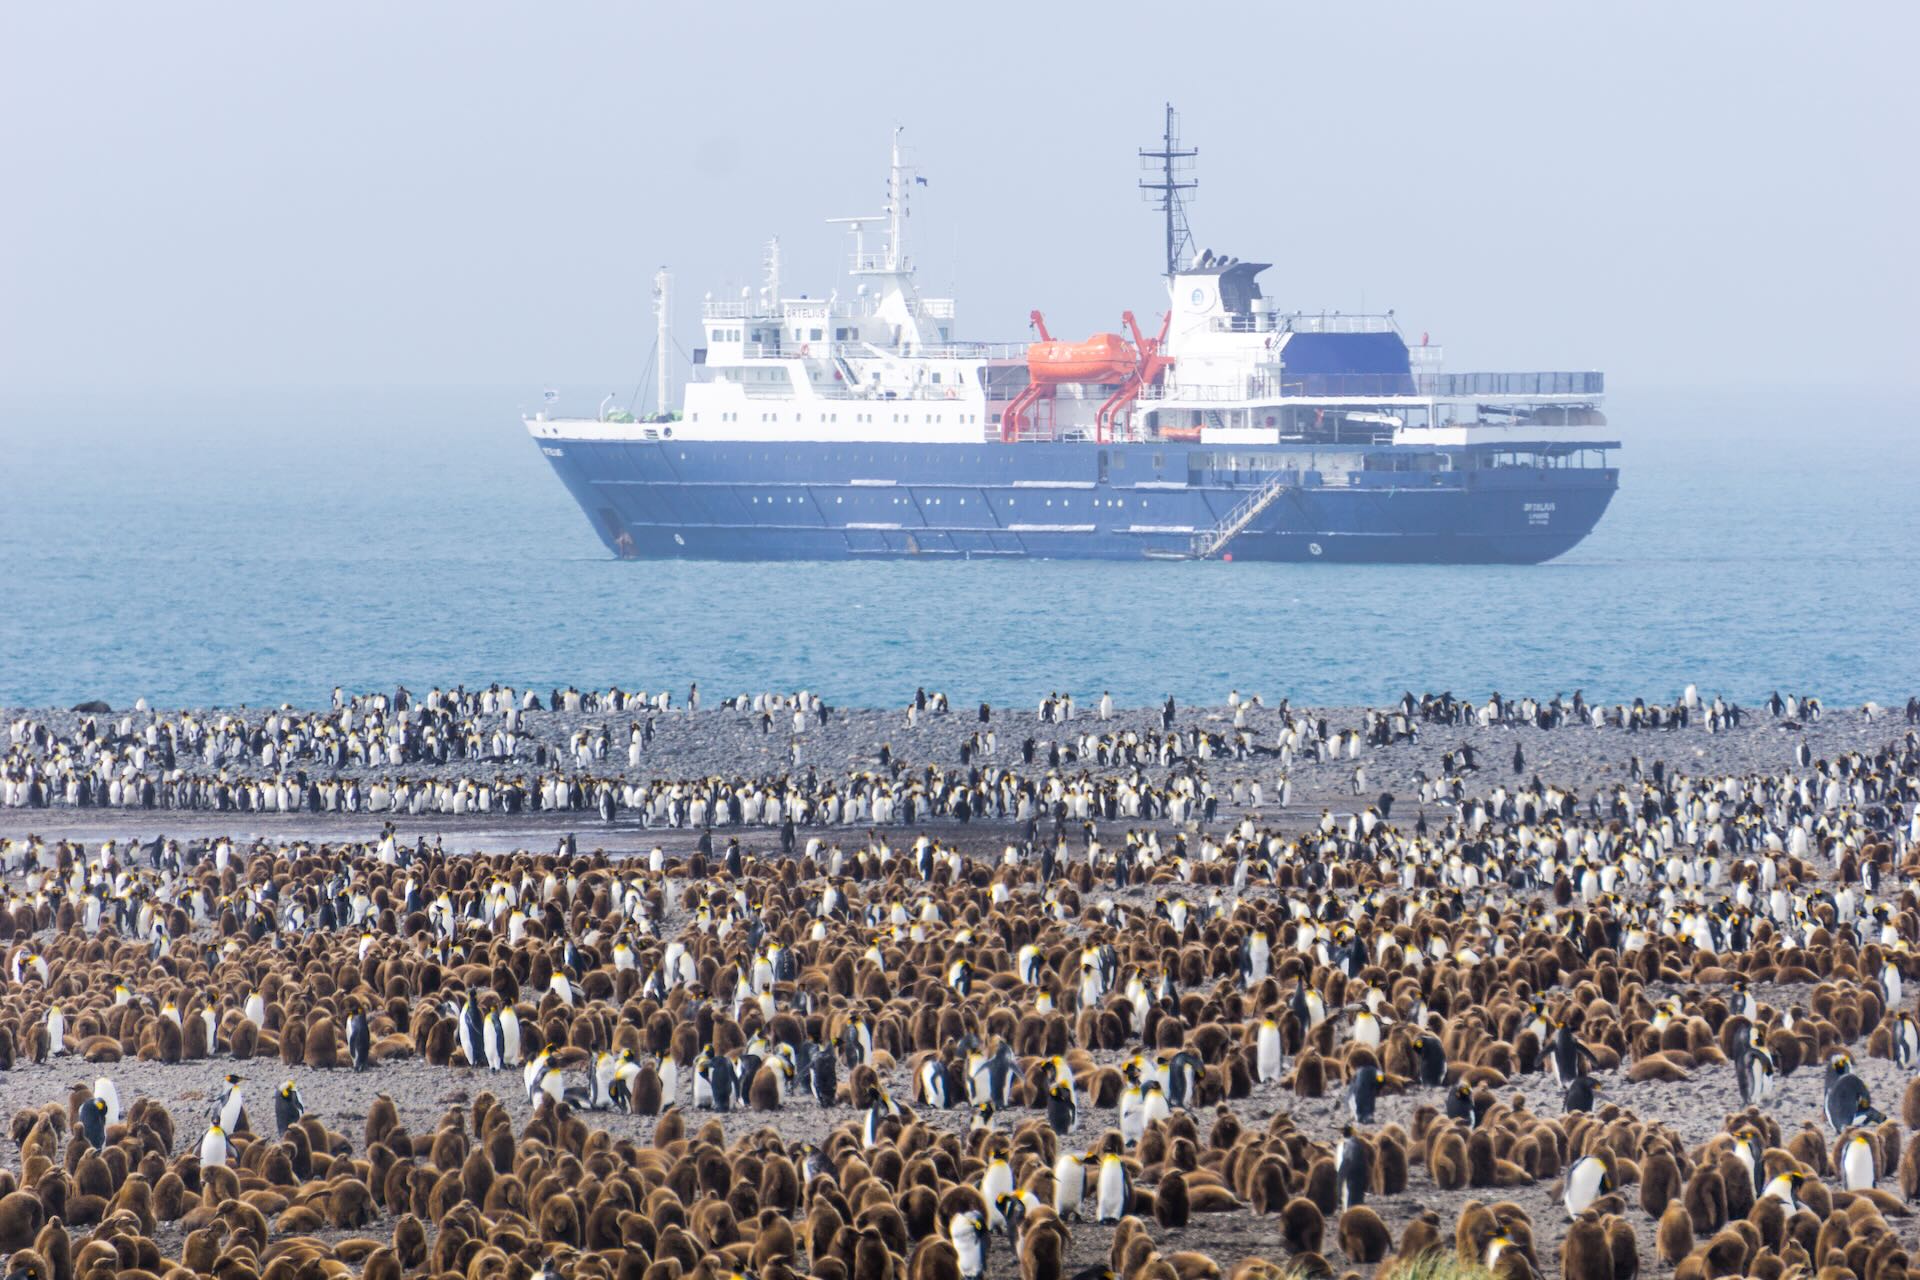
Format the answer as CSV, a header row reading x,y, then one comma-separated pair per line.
x,y
93,1122
1063,1114
1353,1168
228,1104
1587,1181
1114,1192
968,1231
1361,1093
1857,1169
359,1038
215,1149
288,1107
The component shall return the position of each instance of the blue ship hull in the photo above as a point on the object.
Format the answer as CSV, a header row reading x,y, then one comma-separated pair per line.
x,y
657,499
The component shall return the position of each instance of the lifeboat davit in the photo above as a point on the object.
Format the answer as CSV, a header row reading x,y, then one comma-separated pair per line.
x,y
1105,357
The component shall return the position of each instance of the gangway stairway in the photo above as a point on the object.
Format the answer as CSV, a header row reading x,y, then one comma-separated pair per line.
x,y
1210,543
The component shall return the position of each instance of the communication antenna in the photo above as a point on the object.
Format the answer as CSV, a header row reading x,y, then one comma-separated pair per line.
x,y
772,264
665,337
1169,165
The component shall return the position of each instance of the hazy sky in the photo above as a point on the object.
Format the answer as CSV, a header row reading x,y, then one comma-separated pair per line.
x,y
265,195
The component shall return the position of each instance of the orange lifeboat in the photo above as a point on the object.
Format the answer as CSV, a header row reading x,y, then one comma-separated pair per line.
x,y
1105,357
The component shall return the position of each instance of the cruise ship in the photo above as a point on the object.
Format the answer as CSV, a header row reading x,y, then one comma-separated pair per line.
x,y
860,424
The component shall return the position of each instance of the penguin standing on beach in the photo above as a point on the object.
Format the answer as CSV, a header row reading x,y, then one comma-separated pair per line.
x,y
288,1107
1857,1166
215,1148
1906,1040
470,1032
1114,1191
1069,1184
822,1074
1433,1059
969,1234
1063,1114
93,1122
1352,1168
359,1038
228,1104
1362,1092
1267,1051
1848,1103
1568,1054
1587,1181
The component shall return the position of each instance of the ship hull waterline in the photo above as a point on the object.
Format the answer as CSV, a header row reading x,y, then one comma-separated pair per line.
x,y
689,499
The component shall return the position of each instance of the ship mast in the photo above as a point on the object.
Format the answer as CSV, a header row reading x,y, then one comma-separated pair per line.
x,y
896,207
1168,165
660,281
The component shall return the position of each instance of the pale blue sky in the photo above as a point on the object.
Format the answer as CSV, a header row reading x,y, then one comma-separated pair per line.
x,y
477,193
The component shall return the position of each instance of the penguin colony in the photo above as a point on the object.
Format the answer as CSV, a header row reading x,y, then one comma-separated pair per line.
x,y
1041,1058
501,751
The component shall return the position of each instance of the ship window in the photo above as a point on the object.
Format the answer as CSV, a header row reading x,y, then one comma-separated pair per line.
x,y
838,501
936,379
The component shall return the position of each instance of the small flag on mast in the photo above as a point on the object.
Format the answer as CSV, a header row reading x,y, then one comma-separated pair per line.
x,y
550,394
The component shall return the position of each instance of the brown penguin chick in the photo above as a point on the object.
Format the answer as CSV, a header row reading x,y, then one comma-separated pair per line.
x,y
645,1099
1303,1227
1309,1076
1364,1237
1473,1231
1422,1235
1189,1264
1705,1199
26,1264
1447,1160
1674,1238
1208,1197
1623,1244
293,1041
763,1092
1726,1254
1043,1248
1659,1181
934,1258
321,1048
1909,1176
382,1119
1585,1254
21,1217
871,1258
1266,1188
1171,1207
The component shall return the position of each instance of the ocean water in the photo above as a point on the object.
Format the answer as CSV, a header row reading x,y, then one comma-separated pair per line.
x,y
257,548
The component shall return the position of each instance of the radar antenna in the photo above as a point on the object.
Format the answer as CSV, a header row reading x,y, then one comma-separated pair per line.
x,y
1169,165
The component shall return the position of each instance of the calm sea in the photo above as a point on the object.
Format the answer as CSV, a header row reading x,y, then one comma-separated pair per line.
x,y
258,548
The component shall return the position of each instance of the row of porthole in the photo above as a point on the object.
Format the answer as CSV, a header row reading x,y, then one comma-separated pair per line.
x,y
1098,502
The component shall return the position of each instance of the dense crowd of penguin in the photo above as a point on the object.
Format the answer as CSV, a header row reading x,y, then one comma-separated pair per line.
x,y
465,752
1096,1048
